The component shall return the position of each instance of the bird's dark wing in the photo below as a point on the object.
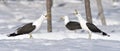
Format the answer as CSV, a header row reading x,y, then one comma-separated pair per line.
x,y
72,25
92,27
26,29
20,26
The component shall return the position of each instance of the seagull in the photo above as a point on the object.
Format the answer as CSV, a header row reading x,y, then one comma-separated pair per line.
x,y
29,27
71,25
90,27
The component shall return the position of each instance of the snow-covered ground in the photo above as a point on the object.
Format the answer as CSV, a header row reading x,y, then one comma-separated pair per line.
x,y
13,14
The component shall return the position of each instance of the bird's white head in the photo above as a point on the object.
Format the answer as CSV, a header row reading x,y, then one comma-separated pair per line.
x,y
44,15
65,18
77,14
40,19
80,18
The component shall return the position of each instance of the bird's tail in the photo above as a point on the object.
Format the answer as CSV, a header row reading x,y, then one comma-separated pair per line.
x,y
105,34
12,35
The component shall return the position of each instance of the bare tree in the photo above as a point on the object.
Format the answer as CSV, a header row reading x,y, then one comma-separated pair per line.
x,y
49,21
101,14
88,11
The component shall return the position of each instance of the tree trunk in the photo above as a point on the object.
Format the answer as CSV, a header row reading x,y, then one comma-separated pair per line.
x,y
88,11
101,14
49,21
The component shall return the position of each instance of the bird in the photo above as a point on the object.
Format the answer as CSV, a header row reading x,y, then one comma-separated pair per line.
x,y
71,25
90,27
29,27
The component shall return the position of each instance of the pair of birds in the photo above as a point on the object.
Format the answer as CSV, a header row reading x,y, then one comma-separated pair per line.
x,y
82,24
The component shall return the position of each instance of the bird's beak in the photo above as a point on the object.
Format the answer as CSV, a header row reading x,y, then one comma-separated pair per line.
x,y
61,18
46,15
76,12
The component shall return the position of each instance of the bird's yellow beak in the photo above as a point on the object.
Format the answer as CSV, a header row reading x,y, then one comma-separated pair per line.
x,y
62,18
46,16
76,12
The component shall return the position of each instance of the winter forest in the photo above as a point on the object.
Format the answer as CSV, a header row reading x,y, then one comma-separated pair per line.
x,y
59,25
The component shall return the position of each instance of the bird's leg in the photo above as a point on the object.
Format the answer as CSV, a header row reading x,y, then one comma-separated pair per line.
x,y
90,35
30,36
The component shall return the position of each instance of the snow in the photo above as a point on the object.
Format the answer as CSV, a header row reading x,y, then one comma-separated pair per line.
x,y
59,45
16,13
